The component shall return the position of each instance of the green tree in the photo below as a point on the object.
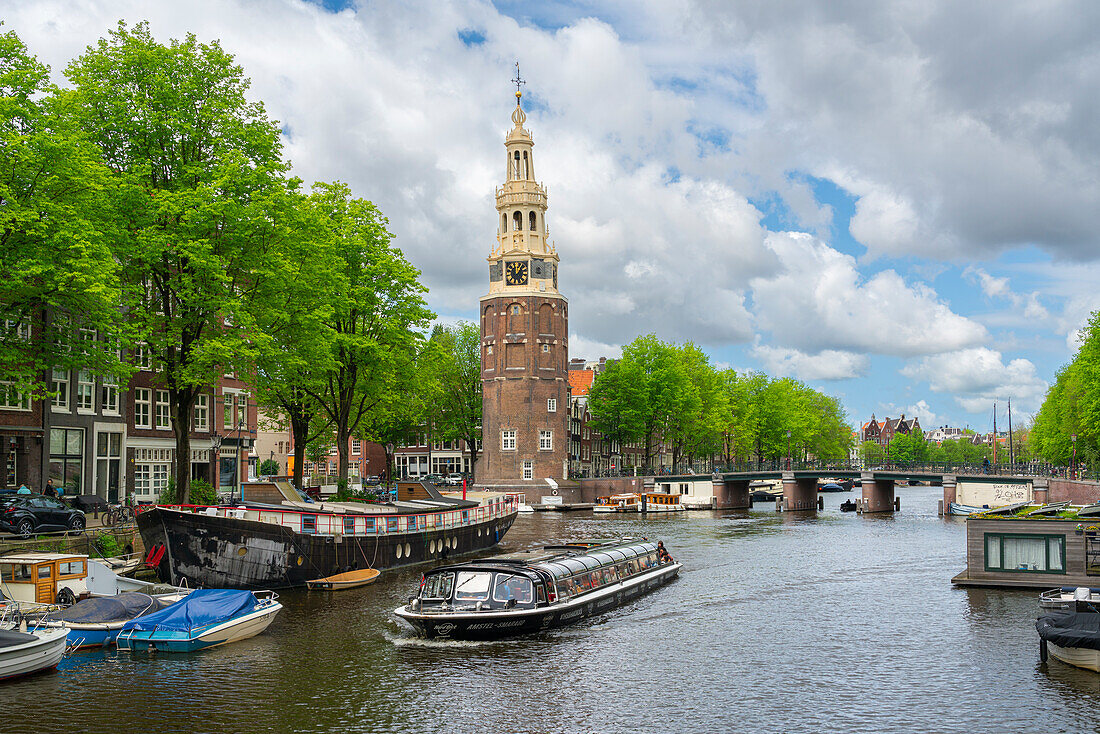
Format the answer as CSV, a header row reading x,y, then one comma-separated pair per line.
x,y
202,189
739,433
374,324
454,364
269,467
617,402
58,273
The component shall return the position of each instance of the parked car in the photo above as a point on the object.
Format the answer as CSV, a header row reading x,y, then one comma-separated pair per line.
x,y
372,481
454,479
26,514
433,479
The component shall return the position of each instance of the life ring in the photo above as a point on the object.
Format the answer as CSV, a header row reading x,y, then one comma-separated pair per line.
x,y
554,492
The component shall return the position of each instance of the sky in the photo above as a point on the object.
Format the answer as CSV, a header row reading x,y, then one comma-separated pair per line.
x,y
896,203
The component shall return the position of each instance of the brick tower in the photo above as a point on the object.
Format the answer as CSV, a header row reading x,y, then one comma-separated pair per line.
x,y
524,351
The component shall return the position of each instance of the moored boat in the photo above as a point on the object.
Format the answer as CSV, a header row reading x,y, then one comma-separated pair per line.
x,y
1066,597
265,546
346,580
954,508
661,502
96,622
536,590
205,618
1072,635
27,651
625,502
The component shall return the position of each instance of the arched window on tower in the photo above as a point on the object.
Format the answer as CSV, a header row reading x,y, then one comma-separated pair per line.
x,y
517,221
515,168
532,220
526,166
503,223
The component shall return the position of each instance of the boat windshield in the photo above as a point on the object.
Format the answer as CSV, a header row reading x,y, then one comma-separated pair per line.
x,y
510,586
438,586
472,585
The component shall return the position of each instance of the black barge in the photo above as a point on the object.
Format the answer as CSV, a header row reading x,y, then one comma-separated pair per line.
x,y
537,590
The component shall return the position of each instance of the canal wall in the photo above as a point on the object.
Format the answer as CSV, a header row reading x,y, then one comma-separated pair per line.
x,y
590,489
1074,491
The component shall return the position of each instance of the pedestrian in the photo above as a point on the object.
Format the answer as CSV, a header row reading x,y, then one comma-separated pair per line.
x,y
23,489
49,491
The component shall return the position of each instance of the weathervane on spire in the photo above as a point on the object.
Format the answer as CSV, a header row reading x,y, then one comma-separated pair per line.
x,y
518,81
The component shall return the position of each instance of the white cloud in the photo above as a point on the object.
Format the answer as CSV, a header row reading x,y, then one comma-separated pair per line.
x,y
921,409
590,350
978,377
821,301
829,364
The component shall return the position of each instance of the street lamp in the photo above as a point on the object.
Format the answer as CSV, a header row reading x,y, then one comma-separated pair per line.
x,y
1073,461
788,450
215,447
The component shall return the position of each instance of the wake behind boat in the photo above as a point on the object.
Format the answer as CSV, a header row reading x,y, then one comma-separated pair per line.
x,y
536,590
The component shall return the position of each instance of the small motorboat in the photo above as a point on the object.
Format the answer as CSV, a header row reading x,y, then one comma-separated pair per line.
x,y
626,502
96,622
1066,597
347,580
1072,635
831,487
23,652
205,618
955,508
848,506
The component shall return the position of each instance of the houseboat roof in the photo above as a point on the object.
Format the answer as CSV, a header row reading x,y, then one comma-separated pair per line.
x,y
1031,511
39,557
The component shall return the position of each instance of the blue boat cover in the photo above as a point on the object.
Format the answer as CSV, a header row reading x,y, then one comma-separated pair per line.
x,y
200,608
106,609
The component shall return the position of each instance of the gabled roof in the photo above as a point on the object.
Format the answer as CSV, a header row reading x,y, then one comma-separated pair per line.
x,y
580,381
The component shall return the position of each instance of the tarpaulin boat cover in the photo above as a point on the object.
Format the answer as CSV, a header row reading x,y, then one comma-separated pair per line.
x,y
106,609
200,608
11,638
1070,629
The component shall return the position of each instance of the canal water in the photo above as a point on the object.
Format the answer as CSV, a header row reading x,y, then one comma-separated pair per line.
x,y
778,623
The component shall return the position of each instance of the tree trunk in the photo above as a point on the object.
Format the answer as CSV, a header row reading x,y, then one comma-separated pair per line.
x,y
343,441
299,430
182,401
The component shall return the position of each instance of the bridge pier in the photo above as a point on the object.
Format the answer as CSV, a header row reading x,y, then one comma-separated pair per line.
x,y
950,493
1040,491
731,494
799,493
878,495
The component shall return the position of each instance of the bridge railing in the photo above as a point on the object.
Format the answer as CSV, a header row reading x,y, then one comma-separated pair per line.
x,y
1029,469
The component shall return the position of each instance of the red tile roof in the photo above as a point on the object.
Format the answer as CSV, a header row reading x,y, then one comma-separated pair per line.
x,y
580,381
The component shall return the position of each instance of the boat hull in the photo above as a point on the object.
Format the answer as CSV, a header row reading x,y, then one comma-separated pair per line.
x,y
44,653
232,553
1079,657
233,630
492,625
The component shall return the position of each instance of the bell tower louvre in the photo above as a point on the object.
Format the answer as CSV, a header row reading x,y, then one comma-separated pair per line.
x,y
524,335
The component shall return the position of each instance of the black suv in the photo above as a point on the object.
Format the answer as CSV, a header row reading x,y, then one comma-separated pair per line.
x,y
26,514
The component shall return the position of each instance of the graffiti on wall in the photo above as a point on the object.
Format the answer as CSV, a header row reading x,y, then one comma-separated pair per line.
x,y
983,494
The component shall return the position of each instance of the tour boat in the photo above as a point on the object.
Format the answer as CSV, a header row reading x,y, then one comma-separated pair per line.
x,y
661,502
1072,635
627,502
535,590
205,618
266,546
27,651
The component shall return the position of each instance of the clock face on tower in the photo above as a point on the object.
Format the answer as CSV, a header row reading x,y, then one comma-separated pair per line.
x,y
516,272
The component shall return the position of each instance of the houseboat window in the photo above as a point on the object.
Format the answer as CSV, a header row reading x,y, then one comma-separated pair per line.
x,y
1030,553
438,586
349,526
21,572
510,586
391,524
44,572
309,523
370,524
472,585
412,522
72,568
1092,553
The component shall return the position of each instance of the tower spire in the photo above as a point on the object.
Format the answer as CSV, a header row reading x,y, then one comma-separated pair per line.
x,y
518,81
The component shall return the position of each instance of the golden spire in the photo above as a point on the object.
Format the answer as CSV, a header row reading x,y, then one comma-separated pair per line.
x,y
518,81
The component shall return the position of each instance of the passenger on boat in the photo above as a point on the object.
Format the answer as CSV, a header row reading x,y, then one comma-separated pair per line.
x,y
662,554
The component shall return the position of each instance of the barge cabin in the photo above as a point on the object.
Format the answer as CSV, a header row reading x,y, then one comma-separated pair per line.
x,y
1027,545
535,590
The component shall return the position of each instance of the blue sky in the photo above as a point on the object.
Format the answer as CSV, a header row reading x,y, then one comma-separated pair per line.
x,y
896,204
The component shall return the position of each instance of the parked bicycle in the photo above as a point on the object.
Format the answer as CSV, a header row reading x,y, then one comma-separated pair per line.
x,y
119,514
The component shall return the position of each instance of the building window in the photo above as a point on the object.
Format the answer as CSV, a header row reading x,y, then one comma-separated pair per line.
x,y
164,420
1025,553
546,440
507,440
85,390
67,459
18,328
13,399
143,360
108,474
110,396
10,463
489,349
227,413
59,386
143,410
528,470
152,467
515,310
356,446
202,412
551,405
545,347
684,488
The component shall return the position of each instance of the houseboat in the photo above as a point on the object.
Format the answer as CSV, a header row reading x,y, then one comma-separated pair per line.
x,y
1036,546
44,578
265,546
535,590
